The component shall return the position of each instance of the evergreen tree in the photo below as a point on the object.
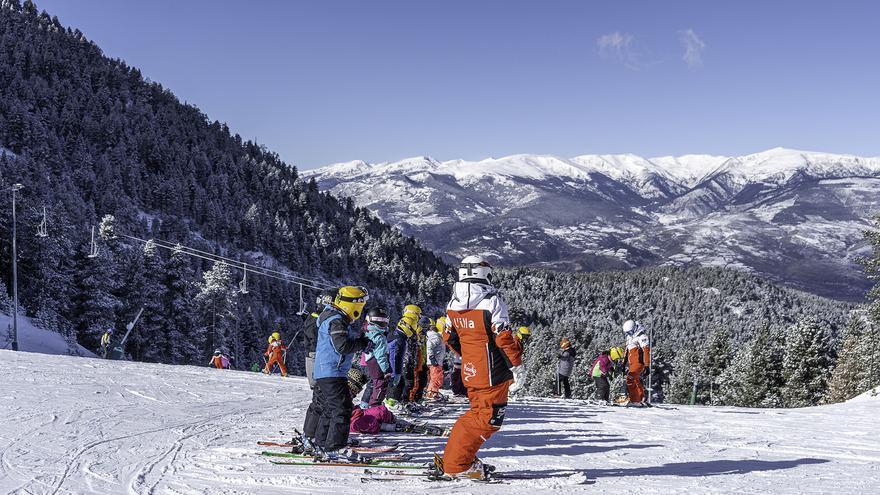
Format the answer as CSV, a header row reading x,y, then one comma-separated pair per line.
x,y
214,301
849,374
183,340
153,326
686,375
754,376
869,346
806,364
716,358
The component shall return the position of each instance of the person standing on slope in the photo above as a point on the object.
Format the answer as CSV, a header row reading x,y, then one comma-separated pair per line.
x,y
219,361
375,358
564,367
310,345
338,340
421,370
638,357
603,366
478,329
397,360
275,354
105,342
436,352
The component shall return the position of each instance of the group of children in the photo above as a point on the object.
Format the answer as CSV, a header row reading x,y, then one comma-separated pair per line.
x,y
633,361
401,366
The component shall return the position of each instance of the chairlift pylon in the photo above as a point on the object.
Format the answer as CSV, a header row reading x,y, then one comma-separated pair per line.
x,y
43,228
93,251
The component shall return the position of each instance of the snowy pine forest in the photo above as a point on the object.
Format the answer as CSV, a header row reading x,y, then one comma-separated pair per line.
x,y
88,137
95,144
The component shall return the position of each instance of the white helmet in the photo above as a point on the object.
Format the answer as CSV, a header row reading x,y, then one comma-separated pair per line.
x,y
629,327
474,268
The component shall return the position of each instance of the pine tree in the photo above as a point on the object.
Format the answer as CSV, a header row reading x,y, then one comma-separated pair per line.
x,y
215,300
153,327
686,374
869,347
806,364
183,340
754,376
716,358
849,374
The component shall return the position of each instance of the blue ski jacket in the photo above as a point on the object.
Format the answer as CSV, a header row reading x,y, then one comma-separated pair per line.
x,y
378,347
338,340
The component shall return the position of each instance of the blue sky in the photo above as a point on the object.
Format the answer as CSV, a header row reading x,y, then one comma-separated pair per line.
x,y
329,81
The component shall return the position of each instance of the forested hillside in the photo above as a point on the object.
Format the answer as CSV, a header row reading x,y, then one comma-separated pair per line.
x,y
705,322
88,137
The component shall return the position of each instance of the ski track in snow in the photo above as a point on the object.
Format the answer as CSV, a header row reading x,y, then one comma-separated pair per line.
x,y
87,426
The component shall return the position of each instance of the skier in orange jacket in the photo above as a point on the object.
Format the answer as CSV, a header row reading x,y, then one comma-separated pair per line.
x,y
638,357
275,353
478,329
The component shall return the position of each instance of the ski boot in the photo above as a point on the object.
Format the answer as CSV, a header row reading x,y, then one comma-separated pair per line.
x,y
343,455
478,471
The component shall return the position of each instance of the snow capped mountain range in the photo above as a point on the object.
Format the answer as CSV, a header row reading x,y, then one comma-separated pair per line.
x,y
794,216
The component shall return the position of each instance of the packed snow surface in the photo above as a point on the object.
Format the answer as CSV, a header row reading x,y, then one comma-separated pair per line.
x,y
87,426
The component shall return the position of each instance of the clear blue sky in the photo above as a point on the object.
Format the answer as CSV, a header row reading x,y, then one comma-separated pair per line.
x,y
327,81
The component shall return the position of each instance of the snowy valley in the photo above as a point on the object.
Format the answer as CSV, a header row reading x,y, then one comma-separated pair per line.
x,y
794,216
101,427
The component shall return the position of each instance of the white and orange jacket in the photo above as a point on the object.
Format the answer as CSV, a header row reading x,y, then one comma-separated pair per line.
x,y
478,329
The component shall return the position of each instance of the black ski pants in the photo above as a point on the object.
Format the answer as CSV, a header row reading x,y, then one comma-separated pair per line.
x,y
563,387
603,388
334,403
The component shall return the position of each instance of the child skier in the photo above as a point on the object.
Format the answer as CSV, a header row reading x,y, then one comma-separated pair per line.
x,y
478,329
219,361
396,359
564,367
638,349
310,344
436,351
375,357
338,340
603,366
105,342
275,354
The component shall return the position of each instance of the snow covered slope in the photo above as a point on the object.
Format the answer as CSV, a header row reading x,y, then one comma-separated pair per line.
x,y
32,338
87,426
794,216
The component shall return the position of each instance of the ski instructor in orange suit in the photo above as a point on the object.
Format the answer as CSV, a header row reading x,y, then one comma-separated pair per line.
x,y
478,329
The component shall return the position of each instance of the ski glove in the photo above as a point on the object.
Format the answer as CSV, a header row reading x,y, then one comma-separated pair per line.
x,y
519,378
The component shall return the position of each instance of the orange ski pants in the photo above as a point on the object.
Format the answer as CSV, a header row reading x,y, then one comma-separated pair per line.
x,y
475,426
275,358
435,380
638,359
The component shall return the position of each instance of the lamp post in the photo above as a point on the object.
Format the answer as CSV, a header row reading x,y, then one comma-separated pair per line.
x,y
15,188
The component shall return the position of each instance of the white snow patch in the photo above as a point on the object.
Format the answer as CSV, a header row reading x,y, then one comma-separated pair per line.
x,y
32,338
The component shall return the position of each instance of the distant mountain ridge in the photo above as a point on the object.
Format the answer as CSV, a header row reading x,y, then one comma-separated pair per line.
x,y
795,216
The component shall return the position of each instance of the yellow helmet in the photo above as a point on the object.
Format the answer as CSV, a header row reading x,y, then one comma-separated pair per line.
x,y
441,324
564,343
523,332
412,309
276,336
351,301
616,353
406,326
